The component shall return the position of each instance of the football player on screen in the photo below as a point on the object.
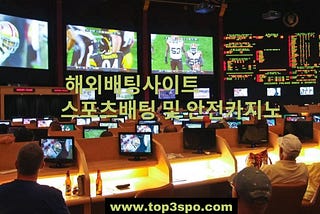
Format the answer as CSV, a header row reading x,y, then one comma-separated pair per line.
x,y
175,46
9,40
194,58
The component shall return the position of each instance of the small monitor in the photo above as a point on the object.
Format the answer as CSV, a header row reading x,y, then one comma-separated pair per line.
x,y
271,121
17,119
110,125
295,118
245,118
201,93
137,145
253,134
274,92
147,121
180,121
87,94
306,90
118,119
124,94
44,123
193,124
81,121
67,126
316,118
153,128
234,123
302,129
240,92
5,122
58,150
26,121
290,115
93,131
166,94
200,140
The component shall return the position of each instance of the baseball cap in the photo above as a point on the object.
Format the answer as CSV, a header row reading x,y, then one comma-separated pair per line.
x,y
252,185
290,144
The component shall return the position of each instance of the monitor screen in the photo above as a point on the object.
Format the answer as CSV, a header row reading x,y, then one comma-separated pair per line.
x,y
44,123
316,118
234,123
201,93
59,150
199,139
184,54
135,144
166,94
110,125
302,129
271,121
253,134
290,115
67,126
274,92
118,119
87,94
240,92
93,131
17,119
5,122
25,42
295,118
153,128
147,121
124,94
193,124
80,121
101,49
307,90
26,121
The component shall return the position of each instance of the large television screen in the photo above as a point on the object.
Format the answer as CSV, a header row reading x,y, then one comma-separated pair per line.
x,y
24,42
101,49
184,54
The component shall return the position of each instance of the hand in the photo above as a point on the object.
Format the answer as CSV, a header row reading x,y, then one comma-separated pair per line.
x,y
166,59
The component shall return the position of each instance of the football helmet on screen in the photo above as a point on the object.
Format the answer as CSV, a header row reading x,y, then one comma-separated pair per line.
x,y
193,48
9,37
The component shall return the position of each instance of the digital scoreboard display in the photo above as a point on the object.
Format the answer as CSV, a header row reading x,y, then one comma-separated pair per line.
x,y
272,58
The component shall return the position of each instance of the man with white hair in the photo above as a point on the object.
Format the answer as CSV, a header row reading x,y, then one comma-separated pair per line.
x,y
287,170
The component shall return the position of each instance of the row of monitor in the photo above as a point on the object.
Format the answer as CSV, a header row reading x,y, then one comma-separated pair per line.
x,y
274,91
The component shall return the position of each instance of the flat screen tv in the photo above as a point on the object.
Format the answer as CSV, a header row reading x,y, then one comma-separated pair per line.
x,y
274,92
101,49
140,121
5,122
182,54
240,92
124,94
93,131
87,94
193,124
295,118
271,121
118,119
24,42
233,123
137,145
44,123
253,135
110,125
316,118
306,90
302,129
67,126
58,150
201,140
28,120
153,128
80,121
201,93
166,94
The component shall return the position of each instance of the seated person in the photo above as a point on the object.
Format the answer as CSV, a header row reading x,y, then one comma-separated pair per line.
x,y
55,126
253,189
170,128
287,170
106,134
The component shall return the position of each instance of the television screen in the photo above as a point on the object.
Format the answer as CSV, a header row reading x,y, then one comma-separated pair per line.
x,y
295,118
201,93
153,128
184,54
271,121
302,129
17,119
199,139
193,124
44,123
24,42
147,121
80,121
234,123
101,49
180,121
253,134
26,121
290,115
240,92
124,94
274,92
135,144
59,150
307,90
316,118
87,94
166,94
110,125
93,131
118,119
5,122
67,126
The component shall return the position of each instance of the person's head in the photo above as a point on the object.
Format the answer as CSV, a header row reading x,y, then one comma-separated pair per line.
x,y
29,160
253,189
289,147
106,134
170,128
23,134
55,126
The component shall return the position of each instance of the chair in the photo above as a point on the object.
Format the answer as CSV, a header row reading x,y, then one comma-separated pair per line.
x,y
165,191
286,198
312,206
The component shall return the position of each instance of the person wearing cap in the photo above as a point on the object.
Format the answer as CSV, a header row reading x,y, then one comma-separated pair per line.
x,y
253,189
287,170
